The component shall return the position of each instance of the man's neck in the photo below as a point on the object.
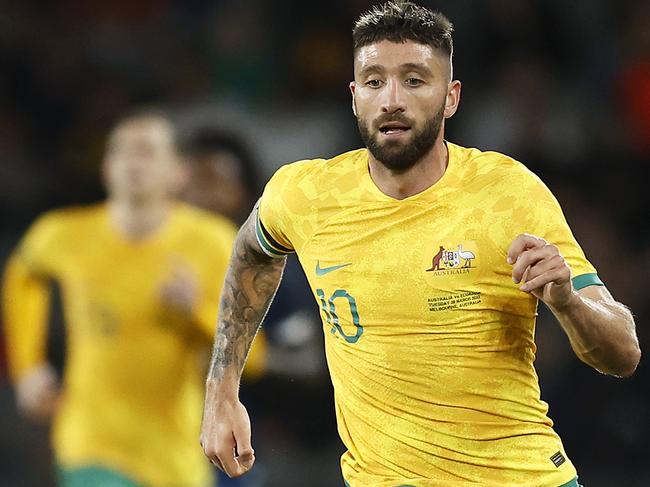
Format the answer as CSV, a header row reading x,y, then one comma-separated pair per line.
x,y
138,220
424,174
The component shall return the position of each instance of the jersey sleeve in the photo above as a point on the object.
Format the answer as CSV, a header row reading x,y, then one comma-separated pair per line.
x,y
37,248
283,212
550,224
26,297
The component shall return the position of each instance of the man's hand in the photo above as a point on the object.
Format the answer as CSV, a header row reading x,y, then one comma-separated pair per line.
x,y
541,270
601,330
38,394
180,291
226,437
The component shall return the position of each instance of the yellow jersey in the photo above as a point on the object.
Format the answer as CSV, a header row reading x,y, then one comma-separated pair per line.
x,y
133,381
429,343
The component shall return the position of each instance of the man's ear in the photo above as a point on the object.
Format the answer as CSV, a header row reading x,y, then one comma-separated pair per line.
x,y
453,98
353,86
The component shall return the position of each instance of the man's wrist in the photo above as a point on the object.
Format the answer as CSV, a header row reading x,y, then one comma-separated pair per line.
x,y
567,305
222,388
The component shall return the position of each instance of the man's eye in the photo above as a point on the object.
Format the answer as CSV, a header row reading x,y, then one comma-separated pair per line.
x,y
414,82
373,83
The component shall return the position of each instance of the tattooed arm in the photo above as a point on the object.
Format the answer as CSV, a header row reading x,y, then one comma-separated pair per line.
x,y
251,282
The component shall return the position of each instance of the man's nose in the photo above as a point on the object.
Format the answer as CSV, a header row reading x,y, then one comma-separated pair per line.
x,y
393,98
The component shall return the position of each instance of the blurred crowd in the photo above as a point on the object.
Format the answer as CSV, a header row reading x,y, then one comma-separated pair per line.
x,y
562,86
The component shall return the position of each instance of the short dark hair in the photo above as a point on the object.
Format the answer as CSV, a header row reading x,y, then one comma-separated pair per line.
x,y
206,140
400,21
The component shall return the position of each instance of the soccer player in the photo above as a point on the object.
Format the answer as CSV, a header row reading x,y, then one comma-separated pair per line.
x,y
427,260
140,277
222,179
221,172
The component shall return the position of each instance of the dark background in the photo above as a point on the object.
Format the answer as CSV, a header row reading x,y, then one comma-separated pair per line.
x,y
561,85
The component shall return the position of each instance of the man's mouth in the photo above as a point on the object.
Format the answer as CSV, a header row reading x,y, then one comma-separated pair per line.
x,y
393,128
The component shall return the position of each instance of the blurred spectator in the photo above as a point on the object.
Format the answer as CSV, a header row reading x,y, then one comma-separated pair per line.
x,y
633,88
241,61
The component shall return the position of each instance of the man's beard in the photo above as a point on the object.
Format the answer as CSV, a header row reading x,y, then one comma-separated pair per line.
x,y
398,156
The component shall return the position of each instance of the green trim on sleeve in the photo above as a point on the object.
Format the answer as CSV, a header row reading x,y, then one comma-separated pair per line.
x,y
266,247
586,280
268,244
269,238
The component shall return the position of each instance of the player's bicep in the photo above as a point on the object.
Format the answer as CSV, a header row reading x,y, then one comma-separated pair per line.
x,y
598,293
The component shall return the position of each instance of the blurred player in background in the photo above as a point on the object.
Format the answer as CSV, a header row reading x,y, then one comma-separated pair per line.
x,y
411,246
222,178
139,276
221,172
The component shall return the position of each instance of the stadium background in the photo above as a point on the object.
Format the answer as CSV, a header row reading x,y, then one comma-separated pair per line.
x,y
563,86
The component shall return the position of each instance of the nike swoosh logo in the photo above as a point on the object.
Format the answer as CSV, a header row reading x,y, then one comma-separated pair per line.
x,y
321,271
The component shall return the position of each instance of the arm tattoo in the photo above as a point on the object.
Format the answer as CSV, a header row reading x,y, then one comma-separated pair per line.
x,y
250,285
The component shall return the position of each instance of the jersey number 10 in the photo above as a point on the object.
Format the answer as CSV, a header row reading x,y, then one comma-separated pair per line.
x,y
333,318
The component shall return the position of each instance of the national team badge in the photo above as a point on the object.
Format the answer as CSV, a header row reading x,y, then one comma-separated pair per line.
x,y
452,269
454,259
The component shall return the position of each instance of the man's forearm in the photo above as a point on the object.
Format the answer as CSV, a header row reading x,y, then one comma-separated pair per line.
x,y
251,282
602,334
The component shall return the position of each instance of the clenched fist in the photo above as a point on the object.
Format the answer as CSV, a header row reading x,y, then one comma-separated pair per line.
x,y
541,270
38,393
226,436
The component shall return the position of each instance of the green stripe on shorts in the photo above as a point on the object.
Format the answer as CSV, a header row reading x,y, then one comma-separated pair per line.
x,y
94,476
